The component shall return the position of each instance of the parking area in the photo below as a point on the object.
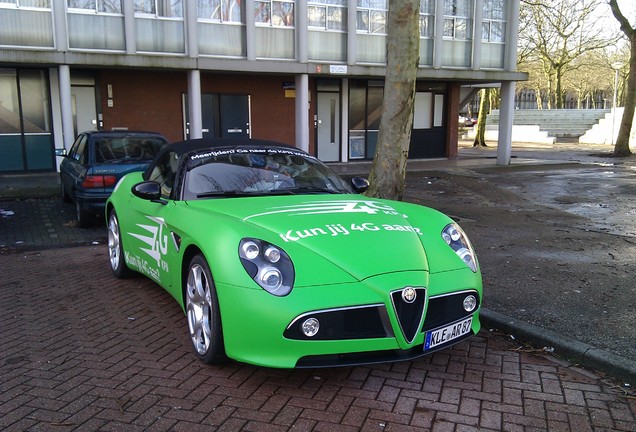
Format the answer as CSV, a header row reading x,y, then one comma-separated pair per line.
x,y
82,350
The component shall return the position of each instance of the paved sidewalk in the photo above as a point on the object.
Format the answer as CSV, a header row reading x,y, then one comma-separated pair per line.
x,y
82,350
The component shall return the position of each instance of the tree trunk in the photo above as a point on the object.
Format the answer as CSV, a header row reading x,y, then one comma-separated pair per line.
x,y
388,171
559,88
480,133
621,148
537,93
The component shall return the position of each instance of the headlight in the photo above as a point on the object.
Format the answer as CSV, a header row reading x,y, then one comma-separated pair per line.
x,y
268,265
455,237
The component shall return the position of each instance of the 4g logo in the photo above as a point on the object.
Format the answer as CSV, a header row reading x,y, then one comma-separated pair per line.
x,y
157,241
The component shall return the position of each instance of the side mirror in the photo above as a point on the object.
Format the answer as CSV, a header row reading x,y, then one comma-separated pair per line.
x,y
61,152
147,190
360,184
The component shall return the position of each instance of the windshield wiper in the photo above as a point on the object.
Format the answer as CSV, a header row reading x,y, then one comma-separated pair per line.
x,y
236,194
311,190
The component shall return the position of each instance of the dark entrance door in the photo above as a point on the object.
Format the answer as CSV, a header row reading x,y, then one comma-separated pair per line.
x,y
223,115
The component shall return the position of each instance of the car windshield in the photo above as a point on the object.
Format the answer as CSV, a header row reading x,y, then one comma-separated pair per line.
x,y
252,172
123,149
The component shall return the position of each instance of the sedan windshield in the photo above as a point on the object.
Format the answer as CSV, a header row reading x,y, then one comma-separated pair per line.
x,y
256,172
125,149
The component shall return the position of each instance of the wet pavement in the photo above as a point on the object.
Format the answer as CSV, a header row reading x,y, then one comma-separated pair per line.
x,y
81,350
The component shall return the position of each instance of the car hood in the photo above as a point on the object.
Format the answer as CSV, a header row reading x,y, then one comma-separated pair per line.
x,y
362,236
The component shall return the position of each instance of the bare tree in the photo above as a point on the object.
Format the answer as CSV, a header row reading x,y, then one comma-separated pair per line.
x,y
484,109
388,171
621,148
559,32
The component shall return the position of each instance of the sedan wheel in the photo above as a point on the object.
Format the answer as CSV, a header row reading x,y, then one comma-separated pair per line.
x,y
65,196
115,248
83,216
202,309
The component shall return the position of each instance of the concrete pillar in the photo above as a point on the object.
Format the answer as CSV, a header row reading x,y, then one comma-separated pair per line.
x,y
352,34
130,27
512,35
194,104
66,105
506,114
250,30
302,32
438,41
59,19
302,112
477,23
344,121
192,36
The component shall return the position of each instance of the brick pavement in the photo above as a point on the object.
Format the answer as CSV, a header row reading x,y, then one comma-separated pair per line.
x,y
44,222
81,350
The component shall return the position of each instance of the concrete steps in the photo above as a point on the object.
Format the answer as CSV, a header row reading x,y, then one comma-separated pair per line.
x,y
563,123
547,126
606,130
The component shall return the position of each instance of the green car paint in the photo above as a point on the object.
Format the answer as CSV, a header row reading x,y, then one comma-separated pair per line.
x,y
349,252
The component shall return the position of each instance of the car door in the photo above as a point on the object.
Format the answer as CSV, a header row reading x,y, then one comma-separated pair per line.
x,y
153,248
72,168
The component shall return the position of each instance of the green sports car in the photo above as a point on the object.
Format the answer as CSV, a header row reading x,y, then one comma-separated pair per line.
x,y
277,261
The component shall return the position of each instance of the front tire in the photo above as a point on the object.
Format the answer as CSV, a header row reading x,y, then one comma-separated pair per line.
x,y
202,310
115,248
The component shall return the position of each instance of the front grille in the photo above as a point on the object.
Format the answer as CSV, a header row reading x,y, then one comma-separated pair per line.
x,y
362,322
409,314
445,309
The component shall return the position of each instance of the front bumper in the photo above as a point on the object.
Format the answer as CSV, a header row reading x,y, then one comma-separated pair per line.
x,y
361,322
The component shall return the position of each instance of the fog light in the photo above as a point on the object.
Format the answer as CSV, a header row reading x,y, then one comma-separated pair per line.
x,y
310,327
470,303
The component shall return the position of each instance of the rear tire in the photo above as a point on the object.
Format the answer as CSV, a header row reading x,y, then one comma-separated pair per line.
x,y
202,311
65,196
83,217
116,249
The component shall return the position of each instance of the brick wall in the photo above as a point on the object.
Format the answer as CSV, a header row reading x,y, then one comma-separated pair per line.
x,y
151,100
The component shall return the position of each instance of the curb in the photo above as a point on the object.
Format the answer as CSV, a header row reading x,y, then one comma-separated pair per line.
x,y
582,353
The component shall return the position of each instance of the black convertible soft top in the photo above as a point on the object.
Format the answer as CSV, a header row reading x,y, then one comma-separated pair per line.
x,y
186,146
202,144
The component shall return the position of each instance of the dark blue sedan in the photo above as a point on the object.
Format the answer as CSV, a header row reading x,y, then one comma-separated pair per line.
x,y
95,163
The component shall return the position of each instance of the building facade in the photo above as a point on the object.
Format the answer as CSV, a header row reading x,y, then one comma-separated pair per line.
x,y
306,73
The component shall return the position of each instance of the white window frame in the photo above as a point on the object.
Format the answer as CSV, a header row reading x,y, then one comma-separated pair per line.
x,y
488,21
452,9
271,7
427,14
224,6
328,6
95,9
369,8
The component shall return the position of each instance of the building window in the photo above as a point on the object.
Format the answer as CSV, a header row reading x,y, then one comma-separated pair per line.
x,y
427,18
221,10
457,19
372,16
275,13
493,28
98,6
327,14
160,8
39,4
